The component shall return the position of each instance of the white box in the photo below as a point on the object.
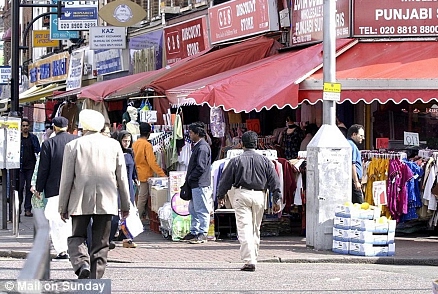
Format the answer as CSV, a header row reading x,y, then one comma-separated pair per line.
x,y
159,196
159,181
341,247
372,225
341,235
371,237
341,223
371,249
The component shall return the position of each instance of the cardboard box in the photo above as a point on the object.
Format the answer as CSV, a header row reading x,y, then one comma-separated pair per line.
x,y
362,249
340,247
372,225
341,235
354,212
371,237
341,223
159,196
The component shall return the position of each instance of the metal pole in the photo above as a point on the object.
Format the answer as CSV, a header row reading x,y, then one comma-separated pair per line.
x,y
15,56
329,58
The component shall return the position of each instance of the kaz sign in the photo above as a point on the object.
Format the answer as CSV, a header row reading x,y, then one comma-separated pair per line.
x,y
186,39
307,20
240,18
395,18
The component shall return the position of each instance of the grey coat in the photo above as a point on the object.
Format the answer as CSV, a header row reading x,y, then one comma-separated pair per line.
x,y
93,174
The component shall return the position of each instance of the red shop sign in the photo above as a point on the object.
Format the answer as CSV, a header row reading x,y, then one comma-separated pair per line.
x,y
307,20
240,18
391,18
186,39
253,125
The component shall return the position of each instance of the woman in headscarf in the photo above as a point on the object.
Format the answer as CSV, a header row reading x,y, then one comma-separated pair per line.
x,y
125,140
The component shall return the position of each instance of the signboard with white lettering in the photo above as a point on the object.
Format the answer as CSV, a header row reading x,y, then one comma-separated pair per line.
x,y
391,18
79,15
107,38
241,18
307,20
75,69
108,61
5,75
56,34
186,39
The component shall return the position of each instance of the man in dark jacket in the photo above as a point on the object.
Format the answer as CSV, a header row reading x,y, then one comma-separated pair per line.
x,y
48,179
30,146
198,178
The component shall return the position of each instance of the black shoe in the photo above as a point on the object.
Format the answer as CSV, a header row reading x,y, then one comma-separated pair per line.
x,y
84,271
28,214
248,268
201,238
112,245
188,237
62,256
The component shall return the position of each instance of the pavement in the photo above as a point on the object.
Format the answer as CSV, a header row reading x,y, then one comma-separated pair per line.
x,y
152,247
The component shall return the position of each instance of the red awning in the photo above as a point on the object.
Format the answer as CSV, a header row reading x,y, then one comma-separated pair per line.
x,y
204,65
272,81
382,71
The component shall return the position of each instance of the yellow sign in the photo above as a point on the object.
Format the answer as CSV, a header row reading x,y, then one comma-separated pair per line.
x,y
41,38
49,70
332,87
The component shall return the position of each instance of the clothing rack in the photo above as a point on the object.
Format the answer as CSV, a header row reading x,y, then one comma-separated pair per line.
x,y
427,153
368,154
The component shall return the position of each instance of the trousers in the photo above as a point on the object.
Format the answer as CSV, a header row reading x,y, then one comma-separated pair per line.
x,y
143,198
249,207
100,230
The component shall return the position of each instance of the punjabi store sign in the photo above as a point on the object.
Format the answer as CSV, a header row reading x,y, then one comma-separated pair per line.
x,y
186,39
395,18
240,18
307,20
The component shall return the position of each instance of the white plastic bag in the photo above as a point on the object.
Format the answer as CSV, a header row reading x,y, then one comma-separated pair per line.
x,y
132,225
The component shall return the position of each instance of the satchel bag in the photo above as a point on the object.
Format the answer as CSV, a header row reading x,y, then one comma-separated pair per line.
x,y
186,192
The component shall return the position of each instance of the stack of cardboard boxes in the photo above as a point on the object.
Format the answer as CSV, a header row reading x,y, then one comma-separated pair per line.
x,y
359,231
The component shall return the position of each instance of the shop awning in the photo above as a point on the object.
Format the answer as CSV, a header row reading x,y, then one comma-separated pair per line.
x,y
203,65
382,71
37,93
272,81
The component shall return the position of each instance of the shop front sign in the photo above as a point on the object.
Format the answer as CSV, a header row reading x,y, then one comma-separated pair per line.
x,y
395,18
49,70
307,20
122,13
186,39
41,38
241,18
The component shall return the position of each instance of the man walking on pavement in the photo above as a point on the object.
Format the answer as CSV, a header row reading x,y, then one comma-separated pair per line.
x,y
48,179
198,178
93,176
249,176
30,146
355,136
146,166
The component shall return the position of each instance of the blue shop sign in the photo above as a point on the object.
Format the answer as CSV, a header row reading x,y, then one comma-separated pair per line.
x,y
59,67
44,71
108,61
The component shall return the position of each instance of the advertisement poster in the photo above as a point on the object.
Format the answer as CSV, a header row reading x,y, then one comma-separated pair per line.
x,y
146,51
75,70
395,18
176,180
10,144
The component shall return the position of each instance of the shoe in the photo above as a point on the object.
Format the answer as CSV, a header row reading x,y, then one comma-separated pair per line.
x,y
248,268
28,214
62,256
188,237
84,271
201,238
112,245
129,244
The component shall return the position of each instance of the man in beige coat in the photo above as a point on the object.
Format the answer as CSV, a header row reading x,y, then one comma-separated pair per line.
x,y
93,175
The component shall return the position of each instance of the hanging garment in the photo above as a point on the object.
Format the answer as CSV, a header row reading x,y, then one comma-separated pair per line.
x,y
399,174
377,171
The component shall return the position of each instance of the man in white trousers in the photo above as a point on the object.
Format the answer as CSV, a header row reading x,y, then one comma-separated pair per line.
x,y
48,179
249,176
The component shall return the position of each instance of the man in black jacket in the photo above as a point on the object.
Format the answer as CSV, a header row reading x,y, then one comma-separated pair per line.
x,y
198,178
48,179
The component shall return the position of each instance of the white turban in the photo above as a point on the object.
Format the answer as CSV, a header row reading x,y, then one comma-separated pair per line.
x,y
91,120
